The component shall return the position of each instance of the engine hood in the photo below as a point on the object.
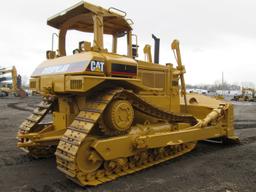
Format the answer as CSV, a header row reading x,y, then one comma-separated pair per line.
x,y
77,63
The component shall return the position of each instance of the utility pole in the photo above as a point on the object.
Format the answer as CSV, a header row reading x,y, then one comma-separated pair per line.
x,y
222,81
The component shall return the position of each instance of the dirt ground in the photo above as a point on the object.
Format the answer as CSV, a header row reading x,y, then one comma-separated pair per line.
x,y
210,167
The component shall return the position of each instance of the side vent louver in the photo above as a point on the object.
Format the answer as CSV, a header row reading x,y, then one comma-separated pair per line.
x,y
76,84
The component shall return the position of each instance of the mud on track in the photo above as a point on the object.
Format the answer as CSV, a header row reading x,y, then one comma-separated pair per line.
x,y
210,167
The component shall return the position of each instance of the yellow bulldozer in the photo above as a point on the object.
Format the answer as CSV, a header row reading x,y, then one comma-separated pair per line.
x,y
15,86
114,114
248,94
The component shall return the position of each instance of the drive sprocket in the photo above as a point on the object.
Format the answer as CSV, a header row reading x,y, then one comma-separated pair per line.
x,y
117,118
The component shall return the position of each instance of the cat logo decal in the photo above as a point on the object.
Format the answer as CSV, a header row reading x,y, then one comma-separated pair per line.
x,y
97,66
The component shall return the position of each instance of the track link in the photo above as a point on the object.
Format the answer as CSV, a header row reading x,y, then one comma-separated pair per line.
x,y
80,130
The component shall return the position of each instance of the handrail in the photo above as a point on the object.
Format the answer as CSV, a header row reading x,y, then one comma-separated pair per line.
x,y
123,13
130,21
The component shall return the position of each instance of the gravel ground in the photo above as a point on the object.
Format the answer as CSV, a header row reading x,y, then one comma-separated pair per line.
x,y
210,167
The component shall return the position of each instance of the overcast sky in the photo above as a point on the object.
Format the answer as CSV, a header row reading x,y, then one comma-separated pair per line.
x,y
216,35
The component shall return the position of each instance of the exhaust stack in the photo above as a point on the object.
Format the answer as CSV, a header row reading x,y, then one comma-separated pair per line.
x,y
157,47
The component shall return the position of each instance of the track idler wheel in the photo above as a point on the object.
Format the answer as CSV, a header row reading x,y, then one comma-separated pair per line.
x,y
87,159
118,118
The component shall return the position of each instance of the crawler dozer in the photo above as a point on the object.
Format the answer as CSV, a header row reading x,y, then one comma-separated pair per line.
x,y
112,114
248,94
15,87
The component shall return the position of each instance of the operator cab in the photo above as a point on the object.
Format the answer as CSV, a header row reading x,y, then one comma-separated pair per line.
x,y
85,17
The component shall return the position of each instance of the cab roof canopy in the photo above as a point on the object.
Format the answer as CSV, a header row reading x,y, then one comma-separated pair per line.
x,y
113,22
